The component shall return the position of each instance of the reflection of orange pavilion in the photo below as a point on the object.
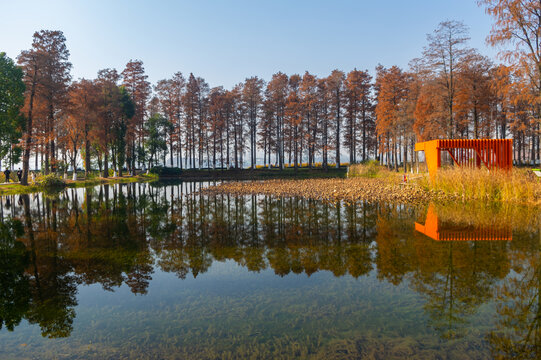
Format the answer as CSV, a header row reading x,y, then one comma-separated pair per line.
x,y
432,229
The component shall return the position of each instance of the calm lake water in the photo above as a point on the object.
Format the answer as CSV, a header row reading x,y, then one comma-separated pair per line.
x,y
162,271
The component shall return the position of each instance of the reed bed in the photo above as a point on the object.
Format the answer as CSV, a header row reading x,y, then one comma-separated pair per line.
x,y
517,186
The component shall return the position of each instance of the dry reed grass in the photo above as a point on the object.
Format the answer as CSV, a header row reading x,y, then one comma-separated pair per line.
x,y
372,169
517,186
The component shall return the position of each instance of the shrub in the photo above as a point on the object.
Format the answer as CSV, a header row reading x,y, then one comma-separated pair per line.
x,y
12,177
50,181
92,175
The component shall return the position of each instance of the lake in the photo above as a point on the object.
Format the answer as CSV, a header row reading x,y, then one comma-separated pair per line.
x,y
162,271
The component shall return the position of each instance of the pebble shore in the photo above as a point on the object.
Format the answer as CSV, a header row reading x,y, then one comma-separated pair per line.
x,y
348,190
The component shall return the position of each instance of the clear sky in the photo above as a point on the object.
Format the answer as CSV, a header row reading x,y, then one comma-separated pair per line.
x,y
226,41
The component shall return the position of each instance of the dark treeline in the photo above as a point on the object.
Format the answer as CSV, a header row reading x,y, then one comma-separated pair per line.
x,y
119,120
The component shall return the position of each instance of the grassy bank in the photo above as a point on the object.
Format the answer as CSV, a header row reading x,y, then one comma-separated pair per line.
x,y
56,183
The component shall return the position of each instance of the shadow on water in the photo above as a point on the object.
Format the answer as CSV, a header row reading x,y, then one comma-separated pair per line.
x,y
461,262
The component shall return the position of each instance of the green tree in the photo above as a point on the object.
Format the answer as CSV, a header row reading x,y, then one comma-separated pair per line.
x,y
11,101
157,127
126,108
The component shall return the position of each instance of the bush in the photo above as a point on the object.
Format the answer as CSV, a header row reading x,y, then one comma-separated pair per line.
x,y
166,171
12,177
50,181
92,175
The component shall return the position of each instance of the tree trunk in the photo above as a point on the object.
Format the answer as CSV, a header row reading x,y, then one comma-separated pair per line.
x,y
28,140
338,129
106,163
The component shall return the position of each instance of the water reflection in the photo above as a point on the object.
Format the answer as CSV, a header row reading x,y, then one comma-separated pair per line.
x,y
517,334
14,283
123,234
434,229
117,235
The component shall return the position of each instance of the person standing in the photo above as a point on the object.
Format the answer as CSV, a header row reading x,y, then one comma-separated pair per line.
x,y
19,174
6,173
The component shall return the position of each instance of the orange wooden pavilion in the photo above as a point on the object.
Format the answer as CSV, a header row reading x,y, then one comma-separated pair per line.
x,y
492,153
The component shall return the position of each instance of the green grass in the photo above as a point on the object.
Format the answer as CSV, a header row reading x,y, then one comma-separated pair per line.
x,y
16,188
117,180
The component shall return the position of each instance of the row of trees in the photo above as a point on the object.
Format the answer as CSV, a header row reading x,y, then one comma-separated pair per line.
x,y
119,120
454,92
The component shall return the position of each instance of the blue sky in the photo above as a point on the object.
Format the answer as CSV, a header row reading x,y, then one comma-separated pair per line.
x,y
226,41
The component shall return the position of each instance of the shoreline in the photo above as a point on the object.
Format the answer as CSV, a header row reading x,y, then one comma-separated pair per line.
x,y
15,188
332,186
349,190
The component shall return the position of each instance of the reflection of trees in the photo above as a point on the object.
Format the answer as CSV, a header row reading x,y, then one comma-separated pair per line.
x,y
14,284
457,278
395,255
115,235
74,237
287,234
454,277
111,247
52,287
518,328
